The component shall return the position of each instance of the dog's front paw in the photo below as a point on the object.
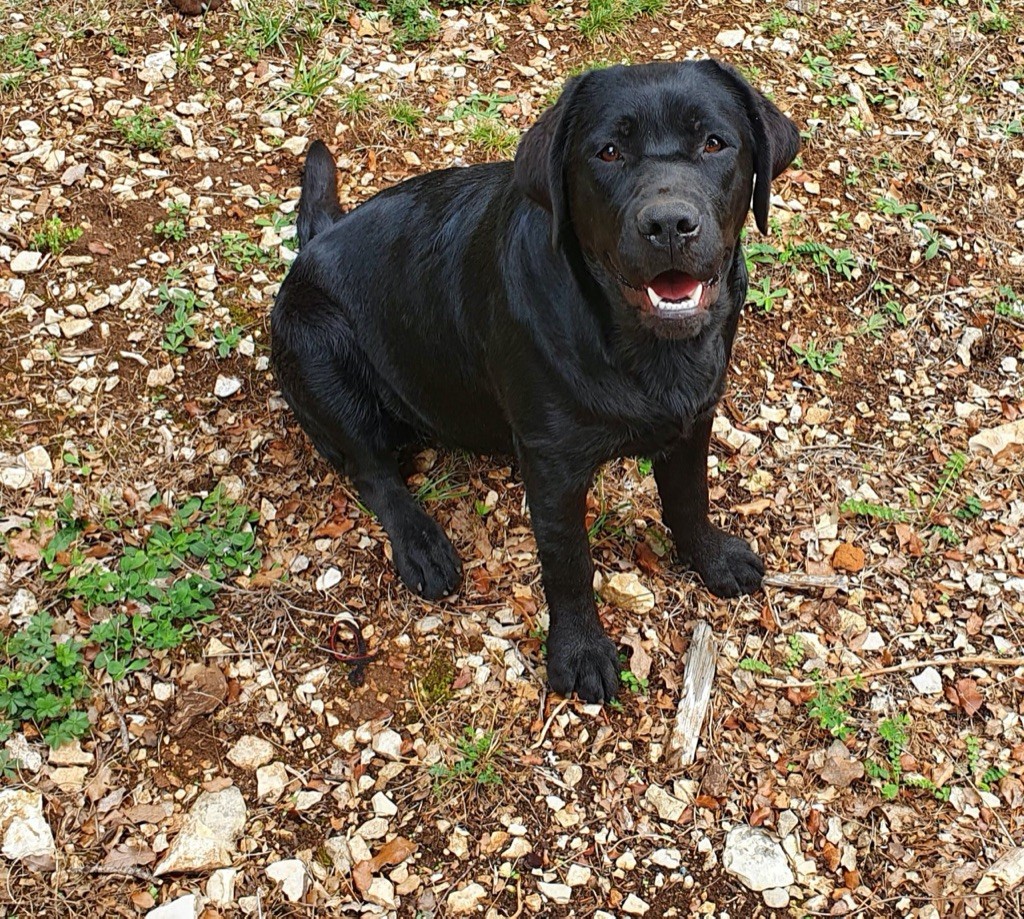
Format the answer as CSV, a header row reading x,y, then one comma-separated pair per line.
x,y
425,558
726,564
587,665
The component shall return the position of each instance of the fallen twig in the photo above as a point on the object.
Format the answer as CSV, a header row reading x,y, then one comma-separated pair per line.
x,y
693,704
797,581
128,871
899,668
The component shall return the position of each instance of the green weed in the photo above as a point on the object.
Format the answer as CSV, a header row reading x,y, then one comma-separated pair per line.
x,y
610,17
474,763
874,511
414,20
55,237
828,708
819,361
145,130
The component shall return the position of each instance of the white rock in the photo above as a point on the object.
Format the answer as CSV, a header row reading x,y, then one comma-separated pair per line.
x,y
23,605
557,893
307,800
271,782
26,834
928,682
69,778
72,328
73,174
427,624
466,899
26,262
209,835
997,439
182,908
290,873
158,66
251,752
578,876
338,851
382,892
626,591
226,386
374,828
634,905
28,756
296,146
666,858
220,889
71,754
756,859
383,806
730,38
970,337
328,579
667,806
160,376
20,471
388,744
776,897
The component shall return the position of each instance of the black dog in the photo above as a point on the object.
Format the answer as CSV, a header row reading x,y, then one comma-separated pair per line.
x,y
575,306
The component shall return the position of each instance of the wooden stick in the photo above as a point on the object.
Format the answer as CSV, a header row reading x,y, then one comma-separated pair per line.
x,y
797,581
900,668
693,705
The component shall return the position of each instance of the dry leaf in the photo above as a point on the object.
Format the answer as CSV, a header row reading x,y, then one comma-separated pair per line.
x,y
204,689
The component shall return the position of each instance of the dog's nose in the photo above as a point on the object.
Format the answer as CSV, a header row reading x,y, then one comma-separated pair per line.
x,y
667,223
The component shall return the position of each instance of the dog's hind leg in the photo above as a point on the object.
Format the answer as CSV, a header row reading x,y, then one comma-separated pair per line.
x,y
336,397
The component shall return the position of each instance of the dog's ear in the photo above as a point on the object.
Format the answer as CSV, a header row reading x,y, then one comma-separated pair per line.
x,y
540,164
776,142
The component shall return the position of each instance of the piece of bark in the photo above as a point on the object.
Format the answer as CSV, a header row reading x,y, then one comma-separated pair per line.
x,y
693,706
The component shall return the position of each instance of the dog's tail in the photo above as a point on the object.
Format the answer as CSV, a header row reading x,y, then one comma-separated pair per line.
x,y
318,204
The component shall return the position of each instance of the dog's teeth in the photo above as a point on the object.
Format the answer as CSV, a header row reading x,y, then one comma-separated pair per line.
x,y
667,306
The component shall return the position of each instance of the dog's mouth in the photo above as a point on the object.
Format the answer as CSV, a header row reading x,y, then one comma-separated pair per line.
x,y
674,294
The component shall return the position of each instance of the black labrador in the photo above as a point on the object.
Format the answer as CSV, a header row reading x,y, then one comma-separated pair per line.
x,y
574,306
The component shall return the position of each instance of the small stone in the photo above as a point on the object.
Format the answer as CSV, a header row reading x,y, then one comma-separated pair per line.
x,y
226,386
328,579
626,591
69,778
271,782
776,897
634,905
666,858
626,861
848,557
73,174
160,376
928,682
466,899
182,908
209,836
251,752
388,744
26,262
427,625
667,806
411,159
26,834
71,754
557,893
756,859
578,876
290,873
220,889
573,775
383,806
23,605
307,800
26,755
382,892
786,823
296,146
374,828
338,852
730,38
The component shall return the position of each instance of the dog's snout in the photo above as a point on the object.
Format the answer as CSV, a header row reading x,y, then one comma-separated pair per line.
x,y
668,223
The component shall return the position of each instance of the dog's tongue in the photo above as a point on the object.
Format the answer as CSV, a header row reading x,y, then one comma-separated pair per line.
x,y
674,285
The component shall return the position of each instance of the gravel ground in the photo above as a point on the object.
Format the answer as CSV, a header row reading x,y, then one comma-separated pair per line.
x,y
250,716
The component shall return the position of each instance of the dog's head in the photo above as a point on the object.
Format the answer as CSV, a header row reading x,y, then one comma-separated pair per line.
x,y
651,170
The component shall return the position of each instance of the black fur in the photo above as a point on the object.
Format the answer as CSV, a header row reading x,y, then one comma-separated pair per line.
x,y
506,308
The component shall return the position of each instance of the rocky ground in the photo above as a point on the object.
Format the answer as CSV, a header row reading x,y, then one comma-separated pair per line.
x,y
218,699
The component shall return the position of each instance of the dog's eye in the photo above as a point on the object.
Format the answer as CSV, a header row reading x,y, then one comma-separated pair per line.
x,y
610,154
713,144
